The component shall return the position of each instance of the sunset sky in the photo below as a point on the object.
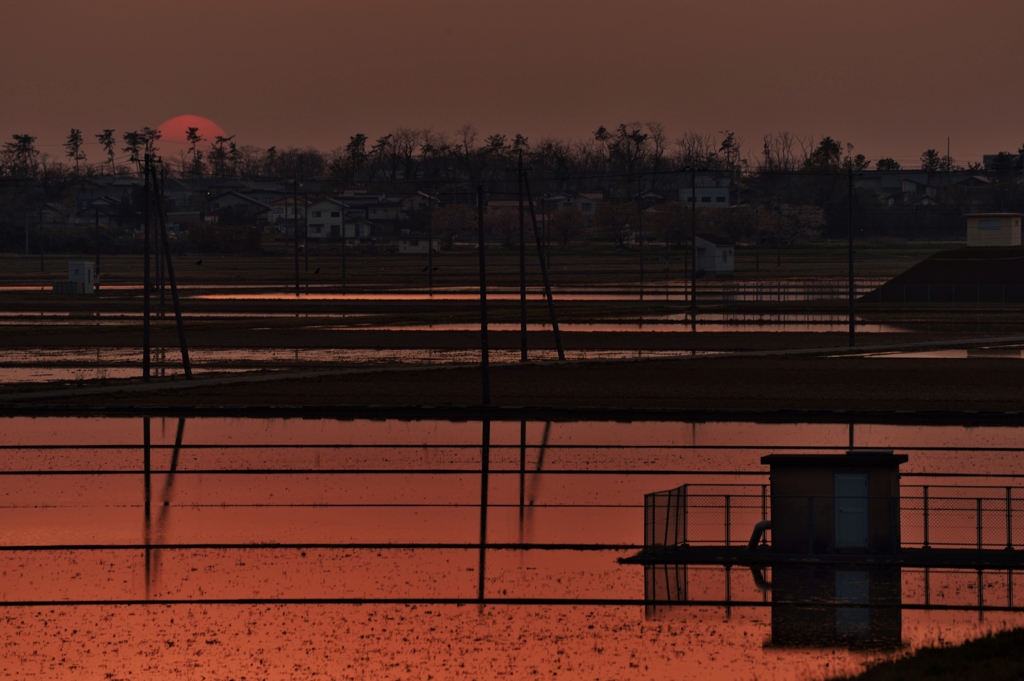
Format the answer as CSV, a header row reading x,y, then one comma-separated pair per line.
x,y
893,77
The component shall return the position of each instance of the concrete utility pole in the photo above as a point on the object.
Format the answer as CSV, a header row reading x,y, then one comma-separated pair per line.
x,y
640,227
430,245
693,238
145,275
305,224
485,377
162,235
522,267
96,273
295,228
853,285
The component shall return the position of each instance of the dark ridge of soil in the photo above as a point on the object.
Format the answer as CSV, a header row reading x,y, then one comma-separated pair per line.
x,y
960,275
711,383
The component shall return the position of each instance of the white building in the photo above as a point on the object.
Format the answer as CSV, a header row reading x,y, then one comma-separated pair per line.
x,y
993,229
417,246
716,256
80,279
326,219
707,189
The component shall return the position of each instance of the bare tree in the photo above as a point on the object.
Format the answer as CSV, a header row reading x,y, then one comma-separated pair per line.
x,y
568,226
449,222
505,223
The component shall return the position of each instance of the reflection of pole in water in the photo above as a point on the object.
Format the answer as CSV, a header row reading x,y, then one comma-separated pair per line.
x,y
522,471
161,521
485,461
535,480
527,519
146,493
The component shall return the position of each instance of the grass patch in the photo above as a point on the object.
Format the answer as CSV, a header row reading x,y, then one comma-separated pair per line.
x,y
996,657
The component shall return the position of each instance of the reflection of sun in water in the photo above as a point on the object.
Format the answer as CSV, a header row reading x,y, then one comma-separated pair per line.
x,y
173,132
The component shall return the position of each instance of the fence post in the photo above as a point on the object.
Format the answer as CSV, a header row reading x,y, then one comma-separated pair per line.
x,y
668,505
1009,520
810,524
685,515
979,523
926,516
650,512
676,537
728,518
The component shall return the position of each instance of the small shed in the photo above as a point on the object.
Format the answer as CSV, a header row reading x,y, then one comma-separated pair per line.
x,y
835,503
993,229
80,279
716,256
409,246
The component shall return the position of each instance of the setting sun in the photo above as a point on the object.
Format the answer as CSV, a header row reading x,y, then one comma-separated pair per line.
x,y
173,132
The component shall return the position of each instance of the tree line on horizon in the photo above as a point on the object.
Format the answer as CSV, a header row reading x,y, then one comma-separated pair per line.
x,y
630,156
793,188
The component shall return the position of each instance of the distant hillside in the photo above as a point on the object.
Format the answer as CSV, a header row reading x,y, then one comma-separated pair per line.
x,y
967,275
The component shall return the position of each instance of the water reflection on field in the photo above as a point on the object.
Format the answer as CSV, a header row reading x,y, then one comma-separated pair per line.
x,y
402,549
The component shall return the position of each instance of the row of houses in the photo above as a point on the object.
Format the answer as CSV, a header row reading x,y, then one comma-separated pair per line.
x,y
357,214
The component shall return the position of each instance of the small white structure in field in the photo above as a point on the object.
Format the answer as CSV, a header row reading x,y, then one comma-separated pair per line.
x,y
417,245
993,229
716,256
80,279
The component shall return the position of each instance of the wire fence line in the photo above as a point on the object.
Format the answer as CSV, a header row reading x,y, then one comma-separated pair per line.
x,y
939,516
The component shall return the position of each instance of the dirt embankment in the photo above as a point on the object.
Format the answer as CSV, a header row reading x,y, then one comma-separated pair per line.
x,y
719,384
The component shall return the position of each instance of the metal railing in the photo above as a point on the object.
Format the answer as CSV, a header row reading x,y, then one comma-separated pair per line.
x,y
939,516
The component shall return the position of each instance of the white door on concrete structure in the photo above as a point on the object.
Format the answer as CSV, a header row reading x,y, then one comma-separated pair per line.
x,y
851,510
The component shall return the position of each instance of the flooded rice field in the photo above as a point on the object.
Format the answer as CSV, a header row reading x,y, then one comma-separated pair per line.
x,y
305,548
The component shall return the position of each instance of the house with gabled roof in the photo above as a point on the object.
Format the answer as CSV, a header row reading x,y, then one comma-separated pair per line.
x,y
240,207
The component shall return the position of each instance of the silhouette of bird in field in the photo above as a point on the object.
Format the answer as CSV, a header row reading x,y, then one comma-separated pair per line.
x,y
199,262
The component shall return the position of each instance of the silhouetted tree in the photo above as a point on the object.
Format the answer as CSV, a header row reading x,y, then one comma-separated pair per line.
x,y
887,164
194,138
20,156
931,161
73,147
107,141
134,143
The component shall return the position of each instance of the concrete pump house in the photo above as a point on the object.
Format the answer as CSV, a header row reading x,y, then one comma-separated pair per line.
x,y
993,229
835,504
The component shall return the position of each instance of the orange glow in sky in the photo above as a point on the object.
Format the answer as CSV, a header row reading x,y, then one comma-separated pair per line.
x,y
893,79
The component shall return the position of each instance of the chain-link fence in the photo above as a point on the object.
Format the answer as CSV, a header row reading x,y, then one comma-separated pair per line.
x,y
940,516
